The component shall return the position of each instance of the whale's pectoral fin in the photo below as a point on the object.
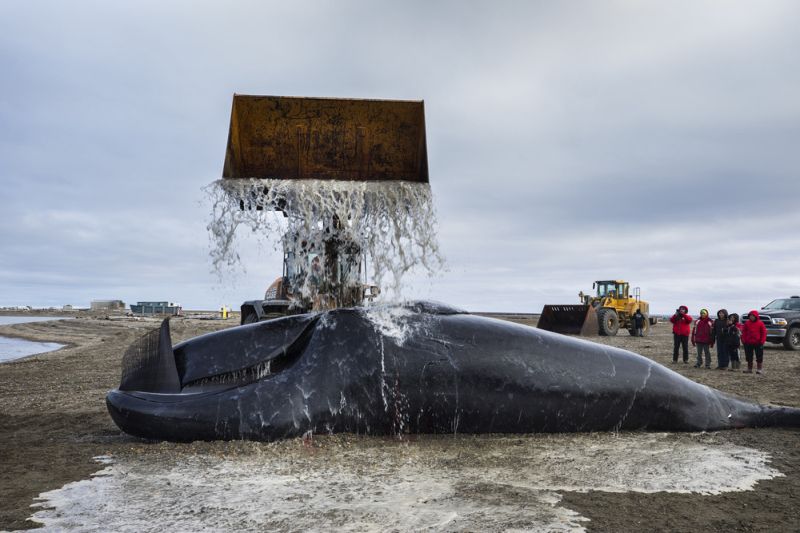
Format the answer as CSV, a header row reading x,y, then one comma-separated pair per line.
x,y
149,363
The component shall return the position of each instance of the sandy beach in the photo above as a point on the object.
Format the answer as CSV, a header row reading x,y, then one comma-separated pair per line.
x,y
53,422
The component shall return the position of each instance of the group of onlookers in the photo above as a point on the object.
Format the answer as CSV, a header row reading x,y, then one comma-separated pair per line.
x,y
726,332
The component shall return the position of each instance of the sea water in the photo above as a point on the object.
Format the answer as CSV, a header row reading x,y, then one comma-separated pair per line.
x,y
12,348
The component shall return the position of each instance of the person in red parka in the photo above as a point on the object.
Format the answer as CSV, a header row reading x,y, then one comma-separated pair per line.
x,y
681,328
754,335
703,338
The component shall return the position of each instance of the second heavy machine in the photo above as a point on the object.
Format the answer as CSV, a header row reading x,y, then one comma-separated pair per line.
x,y
607,311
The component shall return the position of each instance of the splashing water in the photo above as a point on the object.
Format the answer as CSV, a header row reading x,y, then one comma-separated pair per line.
x,y
390,223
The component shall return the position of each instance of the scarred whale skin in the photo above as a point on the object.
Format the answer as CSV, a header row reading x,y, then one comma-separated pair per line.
x,y
418,368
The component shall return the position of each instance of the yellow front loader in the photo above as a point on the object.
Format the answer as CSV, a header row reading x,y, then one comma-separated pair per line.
x,y
612,307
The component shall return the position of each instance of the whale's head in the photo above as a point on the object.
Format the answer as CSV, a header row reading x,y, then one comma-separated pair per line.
x,y
158,377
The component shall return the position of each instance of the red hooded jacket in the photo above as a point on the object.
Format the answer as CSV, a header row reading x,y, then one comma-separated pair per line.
x,y
703,331
754,332
681,325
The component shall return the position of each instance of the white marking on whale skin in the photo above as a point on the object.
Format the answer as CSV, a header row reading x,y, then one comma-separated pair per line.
x,y
333,410
273,417
715,409
295,423
306,395
384,385
263,422
383,358
633,398
243,425
217,418
611,362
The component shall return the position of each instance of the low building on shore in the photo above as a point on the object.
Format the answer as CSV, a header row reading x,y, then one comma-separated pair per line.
x,y
156,308
107,305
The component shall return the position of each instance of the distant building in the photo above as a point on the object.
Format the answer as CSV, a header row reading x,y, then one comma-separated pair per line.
x,y
67,307
156,308
107,305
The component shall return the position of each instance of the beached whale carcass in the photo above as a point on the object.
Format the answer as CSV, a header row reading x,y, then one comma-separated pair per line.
x,y
417,368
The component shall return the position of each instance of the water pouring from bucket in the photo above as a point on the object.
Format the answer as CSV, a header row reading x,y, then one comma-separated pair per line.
x,y
340,185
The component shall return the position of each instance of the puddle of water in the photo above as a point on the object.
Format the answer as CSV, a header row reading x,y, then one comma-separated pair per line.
x,y
6,320
362,484
12,348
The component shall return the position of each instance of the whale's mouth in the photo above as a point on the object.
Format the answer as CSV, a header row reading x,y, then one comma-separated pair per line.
x,y
273,363
152,365
235,378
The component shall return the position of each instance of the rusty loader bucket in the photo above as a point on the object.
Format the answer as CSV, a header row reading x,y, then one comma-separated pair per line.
x,y
282,137
569,320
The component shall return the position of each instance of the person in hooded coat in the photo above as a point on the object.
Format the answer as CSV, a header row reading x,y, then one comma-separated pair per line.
x,y
638,322
681,328
733,339
720,325
754,335
703,338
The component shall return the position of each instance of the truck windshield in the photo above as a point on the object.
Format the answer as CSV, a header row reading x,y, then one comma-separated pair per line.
x,y
784,304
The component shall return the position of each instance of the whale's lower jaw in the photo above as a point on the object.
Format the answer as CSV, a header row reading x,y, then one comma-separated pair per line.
x,y
145,416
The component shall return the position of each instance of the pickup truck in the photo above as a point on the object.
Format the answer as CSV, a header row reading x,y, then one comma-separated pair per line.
x,y
782,318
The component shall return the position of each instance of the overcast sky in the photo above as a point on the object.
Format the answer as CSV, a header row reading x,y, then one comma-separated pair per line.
x,y
657,142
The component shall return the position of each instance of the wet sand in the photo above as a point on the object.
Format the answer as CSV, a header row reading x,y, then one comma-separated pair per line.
x,y
53,421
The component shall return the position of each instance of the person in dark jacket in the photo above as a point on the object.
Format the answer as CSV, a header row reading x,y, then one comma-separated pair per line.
x,y
703,338
681,328
720,325
638,322
733,339
754,335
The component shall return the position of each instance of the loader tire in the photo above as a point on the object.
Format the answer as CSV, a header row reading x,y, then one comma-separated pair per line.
x,y
609,322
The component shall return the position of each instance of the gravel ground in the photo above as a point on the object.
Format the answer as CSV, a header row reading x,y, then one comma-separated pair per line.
x,y
53,421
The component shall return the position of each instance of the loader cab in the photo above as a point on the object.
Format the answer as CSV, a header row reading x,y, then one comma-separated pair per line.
x,y
325,273
612,289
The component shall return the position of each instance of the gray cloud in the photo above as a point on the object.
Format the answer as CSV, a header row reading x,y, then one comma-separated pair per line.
x,y
567,142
